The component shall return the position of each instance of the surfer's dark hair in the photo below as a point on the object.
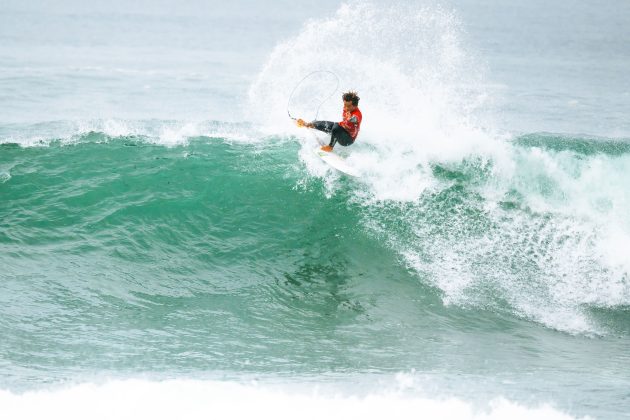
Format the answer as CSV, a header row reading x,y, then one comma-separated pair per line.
x,y
351,96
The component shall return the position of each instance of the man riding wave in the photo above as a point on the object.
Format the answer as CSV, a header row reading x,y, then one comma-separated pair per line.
x,y
344,132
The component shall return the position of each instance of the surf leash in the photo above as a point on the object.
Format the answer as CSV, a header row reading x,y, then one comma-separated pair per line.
x,y
322,102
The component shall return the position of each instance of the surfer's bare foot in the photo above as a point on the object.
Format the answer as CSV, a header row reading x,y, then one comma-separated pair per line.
x,y
300,122
327,148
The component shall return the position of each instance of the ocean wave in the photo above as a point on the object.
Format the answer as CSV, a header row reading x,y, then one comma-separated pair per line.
x,y
538,232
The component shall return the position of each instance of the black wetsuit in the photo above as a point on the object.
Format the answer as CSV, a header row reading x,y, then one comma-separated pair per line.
x,y
337,133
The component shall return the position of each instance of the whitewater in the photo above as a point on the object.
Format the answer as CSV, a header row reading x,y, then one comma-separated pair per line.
x,y
170,245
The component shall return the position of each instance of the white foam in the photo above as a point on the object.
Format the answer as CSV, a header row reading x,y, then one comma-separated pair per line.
x,y
562,250
166,133
196,399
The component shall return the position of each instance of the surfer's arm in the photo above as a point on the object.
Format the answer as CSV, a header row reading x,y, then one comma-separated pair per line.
x,y
349,122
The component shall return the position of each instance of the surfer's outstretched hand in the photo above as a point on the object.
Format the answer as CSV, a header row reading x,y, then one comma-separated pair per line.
x,y
301,123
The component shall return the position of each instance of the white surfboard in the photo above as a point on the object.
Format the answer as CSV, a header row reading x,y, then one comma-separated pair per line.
x,y
336,162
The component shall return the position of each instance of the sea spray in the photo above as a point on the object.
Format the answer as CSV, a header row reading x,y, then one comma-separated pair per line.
x,y
490,222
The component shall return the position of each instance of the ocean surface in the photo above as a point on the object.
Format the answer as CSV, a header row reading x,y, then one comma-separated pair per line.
x,y
171,247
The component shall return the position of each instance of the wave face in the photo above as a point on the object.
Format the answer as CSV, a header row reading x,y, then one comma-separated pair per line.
x,y
541,236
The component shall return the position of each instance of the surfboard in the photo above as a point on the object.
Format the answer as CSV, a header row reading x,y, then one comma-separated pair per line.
x,y
336,162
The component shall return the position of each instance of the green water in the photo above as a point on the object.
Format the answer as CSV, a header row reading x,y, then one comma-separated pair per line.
x,y
122,257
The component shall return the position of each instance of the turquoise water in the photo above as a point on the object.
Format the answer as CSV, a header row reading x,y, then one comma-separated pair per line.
x,y
168,238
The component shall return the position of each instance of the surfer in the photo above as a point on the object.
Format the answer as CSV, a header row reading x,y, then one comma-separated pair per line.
x,y
345,131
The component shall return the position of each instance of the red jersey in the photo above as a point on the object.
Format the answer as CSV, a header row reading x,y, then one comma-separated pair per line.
x,y
351,122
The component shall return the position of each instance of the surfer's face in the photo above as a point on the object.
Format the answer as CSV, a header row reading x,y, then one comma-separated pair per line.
x,y
347,106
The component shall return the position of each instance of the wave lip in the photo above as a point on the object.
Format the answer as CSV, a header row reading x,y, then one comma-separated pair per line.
x,y
160,132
